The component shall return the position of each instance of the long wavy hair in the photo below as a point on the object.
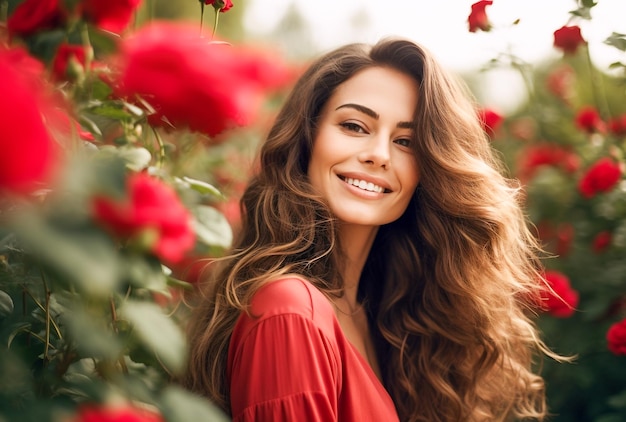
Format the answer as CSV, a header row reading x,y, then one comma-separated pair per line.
x,y
447,286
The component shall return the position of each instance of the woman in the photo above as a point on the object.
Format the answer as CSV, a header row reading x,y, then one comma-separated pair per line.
x,y
384,269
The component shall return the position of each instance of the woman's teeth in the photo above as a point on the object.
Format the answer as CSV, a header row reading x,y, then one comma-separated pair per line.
x,y
362,184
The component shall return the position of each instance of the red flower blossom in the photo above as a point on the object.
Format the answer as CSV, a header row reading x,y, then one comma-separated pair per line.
x,y
110,15
61,64
558,298
93,413
560,82
478,17
28,151
564,239
191,82
221,5
589,120
602,176
602,241
547,155
568,39
152,207
617,125
31,16
616,338
490,120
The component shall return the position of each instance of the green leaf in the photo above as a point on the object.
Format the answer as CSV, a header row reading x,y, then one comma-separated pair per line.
x,y
618,401
158,333
183,406
82,256
145,273
92,336
6,304
135,158
617,40
211,226
203,187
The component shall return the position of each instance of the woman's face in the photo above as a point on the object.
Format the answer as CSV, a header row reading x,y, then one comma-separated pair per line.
x,y
362,162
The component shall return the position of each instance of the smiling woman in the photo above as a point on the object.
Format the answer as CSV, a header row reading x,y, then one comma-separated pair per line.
x,y
384,269
362,161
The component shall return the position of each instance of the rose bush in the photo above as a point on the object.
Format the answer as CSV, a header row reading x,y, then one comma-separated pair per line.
x,y
567,145
108,202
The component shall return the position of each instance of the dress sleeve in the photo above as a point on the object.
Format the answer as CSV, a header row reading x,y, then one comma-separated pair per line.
x,y
284,368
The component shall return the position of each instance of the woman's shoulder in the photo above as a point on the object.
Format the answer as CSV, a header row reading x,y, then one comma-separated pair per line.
x,y
288,295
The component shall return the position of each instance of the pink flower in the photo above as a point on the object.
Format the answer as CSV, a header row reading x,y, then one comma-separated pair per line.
x,y
602,176
32,16
616,338
602,241
490,120
110,15
152,207
568,39
221,5
28,151
478,17
558,298
589,120
194,83
94,413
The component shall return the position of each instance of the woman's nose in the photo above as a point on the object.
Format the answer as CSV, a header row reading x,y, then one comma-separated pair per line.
x,y
376,152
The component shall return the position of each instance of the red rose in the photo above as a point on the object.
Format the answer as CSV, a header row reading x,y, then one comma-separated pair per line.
x,y
600,177
28,151
110,15
617,125
616,338
152,207
560,82
478,17
602,241
558,298
564,239
547,155
568,38
192,82
35,15
490,120
589,120
221,5
93,413
66,53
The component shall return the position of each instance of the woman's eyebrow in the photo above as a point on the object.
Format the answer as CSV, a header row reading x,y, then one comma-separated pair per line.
x,y
373,114
362,109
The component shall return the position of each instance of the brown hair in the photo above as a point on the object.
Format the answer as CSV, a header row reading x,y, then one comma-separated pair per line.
x,y
445,284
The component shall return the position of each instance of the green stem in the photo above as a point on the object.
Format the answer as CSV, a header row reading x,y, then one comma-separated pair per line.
x,y
201,15
84,34
159,140
48,318
43,308
597,90
215,22
4,10
116,330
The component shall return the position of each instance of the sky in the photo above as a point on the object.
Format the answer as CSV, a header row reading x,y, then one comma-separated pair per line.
x,y
441,26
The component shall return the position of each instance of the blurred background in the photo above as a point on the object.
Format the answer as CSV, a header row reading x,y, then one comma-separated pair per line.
x,y
554,111
301,29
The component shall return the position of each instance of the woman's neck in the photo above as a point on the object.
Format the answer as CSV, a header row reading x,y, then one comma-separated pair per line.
x,y
356,242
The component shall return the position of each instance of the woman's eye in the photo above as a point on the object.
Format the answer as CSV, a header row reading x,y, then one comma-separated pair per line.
x,y
405,142
353,127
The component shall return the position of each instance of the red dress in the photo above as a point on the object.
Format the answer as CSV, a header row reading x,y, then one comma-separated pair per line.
x,y
293,362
